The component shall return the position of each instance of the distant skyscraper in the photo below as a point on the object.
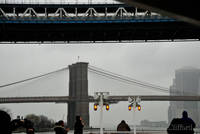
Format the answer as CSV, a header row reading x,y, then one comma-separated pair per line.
x,y
186,82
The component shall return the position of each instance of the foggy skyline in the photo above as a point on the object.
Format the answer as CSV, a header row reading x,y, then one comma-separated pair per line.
x,y
153,62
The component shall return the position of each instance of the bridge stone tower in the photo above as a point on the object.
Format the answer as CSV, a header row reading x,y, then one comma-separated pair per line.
x,y
78,87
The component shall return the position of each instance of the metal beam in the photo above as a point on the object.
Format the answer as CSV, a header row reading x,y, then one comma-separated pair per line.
x,y
112,99
42,99
156,98
182,10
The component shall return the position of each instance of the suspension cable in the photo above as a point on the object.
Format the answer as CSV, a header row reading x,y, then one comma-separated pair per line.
x,y
127,79
32,78
127,82
106,71
109,77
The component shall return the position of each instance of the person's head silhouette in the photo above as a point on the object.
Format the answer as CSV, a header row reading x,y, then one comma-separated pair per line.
x,y
61,123
78,118
185,114
123,121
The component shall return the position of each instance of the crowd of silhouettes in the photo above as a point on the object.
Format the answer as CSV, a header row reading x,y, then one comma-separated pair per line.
x,y
184,125
7,126
78,126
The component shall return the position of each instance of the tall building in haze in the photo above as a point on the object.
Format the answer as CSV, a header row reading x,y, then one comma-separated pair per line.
x,y
186,82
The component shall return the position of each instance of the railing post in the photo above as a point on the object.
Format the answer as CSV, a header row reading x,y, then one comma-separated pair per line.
x,y
134,116
101,98
134,104
101,113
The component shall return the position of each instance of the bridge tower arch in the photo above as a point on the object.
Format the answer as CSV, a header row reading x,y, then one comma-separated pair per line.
x,y
78,87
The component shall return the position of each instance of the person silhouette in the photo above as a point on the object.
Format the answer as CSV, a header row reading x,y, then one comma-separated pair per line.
x,y
7,126
5,121
188,123
184,125
175,126
78,127
123,126
59,128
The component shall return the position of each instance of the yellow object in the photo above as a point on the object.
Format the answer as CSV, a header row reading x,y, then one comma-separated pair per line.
x,y
129,108
139,108
107,107
95,107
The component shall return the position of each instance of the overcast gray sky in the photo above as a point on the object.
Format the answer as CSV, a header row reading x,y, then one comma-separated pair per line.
x,y
150,62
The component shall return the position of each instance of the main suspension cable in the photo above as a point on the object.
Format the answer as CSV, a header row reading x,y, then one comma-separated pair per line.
x,y
32,78
127,79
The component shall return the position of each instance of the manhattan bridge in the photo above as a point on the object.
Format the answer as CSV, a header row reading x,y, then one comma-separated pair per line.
x,y
97,21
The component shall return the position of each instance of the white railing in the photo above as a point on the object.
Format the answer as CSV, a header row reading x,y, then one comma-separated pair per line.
x,y
126,132
120,13
132,132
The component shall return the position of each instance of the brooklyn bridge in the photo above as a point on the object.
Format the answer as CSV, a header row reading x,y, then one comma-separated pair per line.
x,y
78,99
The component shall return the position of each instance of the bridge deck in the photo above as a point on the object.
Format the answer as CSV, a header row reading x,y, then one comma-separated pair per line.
x,y
106,22
88,31
85,19
111,99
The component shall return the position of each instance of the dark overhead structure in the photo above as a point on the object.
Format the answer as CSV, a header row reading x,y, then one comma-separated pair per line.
x,y
96,22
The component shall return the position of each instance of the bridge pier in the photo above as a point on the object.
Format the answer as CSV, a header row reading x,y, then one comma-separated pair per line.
x,y
78,87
